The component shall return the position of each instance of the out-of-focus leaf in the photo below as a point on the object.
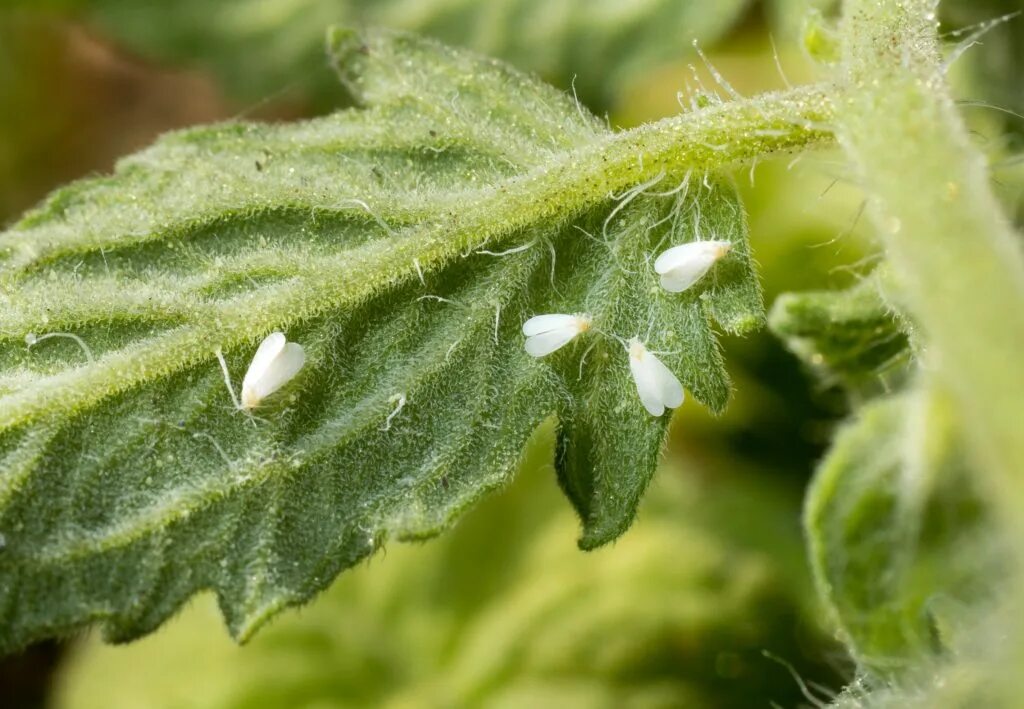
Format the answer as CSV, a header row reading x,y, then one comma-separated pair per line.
x,y
850,337
789,18
403,245
260,47
900,541
675,615
994,29
70,104
28,49
820,38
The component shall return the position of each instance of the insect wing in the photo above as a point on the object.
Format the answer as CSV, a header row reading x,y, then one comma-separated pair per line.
x,y
281,370
268,351
546,323
646,385
657,386
669,388
545,343
682,266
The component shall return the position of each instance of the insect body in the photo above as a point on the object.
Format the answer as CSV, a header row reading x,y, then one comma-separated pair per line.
x,y
275,363
682,266
547,333
657,386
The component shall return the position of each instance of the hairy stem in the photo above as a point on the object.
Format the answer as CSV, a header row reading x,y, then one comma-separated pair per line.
x,y
717,137
959,259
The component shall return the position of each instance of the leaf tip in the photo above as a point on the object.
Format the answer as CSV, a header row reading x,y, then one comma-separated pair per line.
x,y
596,536
745,323
346,47
780,315
343,41
243,629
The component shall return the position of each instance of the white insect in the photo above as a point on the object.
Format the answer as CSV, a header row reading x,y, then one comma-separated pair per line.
x,y
275,363
547,333
657,386
682,266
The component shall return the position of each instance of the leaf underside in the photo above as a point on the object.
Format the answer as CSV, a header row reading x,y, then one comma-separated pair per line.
x,y
382,241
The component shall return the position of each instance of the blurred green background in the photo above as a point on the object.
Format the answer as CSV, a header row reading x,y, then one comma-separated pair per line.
x,y
707,601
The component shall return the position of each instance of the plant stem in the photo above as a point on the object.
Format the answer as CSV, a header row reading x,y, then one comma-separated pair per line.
x,y
717,136
958,258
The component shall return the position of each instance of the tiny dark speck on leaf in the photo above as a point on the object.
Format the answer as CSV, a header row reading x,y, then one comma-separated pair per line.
x,y
259,166
444,481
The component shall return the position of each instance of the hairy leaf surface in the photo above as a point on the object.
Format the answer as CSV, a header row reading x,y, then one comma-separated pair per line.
x,y
403,245
527,623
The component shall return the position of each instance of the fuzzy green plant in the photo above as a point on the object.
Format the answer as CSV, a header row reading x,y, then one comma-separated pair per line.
x,y
403,243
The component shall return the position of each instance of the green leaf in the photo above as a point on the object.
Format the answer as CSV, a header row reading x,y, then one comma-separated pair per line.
x,y
901,541
259,47
402,245
525,623
851,337
603,438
